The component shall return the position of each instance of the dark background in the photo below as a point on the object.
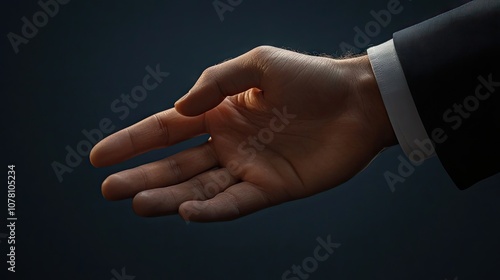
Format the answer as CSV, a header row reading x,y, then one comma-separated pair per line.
x,y
66,77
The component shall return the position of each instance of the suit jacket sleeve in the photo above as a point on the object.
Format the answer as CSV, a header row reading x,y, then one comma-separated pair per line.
x,y
452,67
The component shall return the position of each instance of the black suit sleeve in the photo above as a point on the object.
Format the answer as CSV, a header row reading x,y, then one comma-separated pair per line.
x,y
452,66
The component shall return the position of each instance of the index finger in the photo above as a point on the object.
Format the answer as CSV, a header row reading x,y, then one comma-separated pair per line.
x,y
157,131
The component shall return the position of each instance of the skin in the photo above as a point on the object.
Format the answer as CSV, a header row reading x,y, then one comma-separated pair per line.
x,y
339,125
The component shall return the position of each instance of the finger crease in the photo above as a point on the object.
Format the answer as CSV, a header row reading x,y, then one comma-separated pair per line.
x,y
221,92
144,177
131,140
234,199
163,128
210,153
175,169
198,185
172,195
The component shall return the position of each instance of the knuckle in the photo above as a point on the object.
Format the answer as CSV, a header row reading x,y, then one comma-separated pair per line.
x,y
262,52
209,73
263,57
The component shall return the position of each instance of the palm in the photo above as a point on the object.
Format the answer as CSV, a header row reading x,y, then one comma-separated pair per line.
x,y
303,158
253,153
265,148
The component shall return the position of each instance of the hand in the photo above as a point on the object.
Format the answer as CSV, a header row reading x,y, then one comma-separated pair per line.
x,y
282,126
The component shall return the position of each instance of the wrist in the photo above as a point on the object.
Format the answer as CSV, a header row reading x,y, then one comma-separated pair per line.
x,y
371,103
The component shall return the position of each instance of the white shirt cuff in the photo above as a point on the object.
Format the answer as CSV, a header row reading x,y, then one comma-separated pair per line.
x,y
397,98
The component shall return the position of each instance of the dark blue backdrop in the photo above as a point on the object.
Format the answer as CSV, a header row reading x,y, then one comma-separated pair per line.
x,y
65,78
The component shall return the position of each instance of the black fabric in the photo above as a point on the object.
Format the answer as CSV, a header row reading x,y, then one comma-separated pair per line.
x,y
442,59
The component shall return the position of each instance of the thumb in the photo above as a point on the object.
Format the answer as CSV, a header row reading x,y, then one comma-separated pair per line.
x,y
217,82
